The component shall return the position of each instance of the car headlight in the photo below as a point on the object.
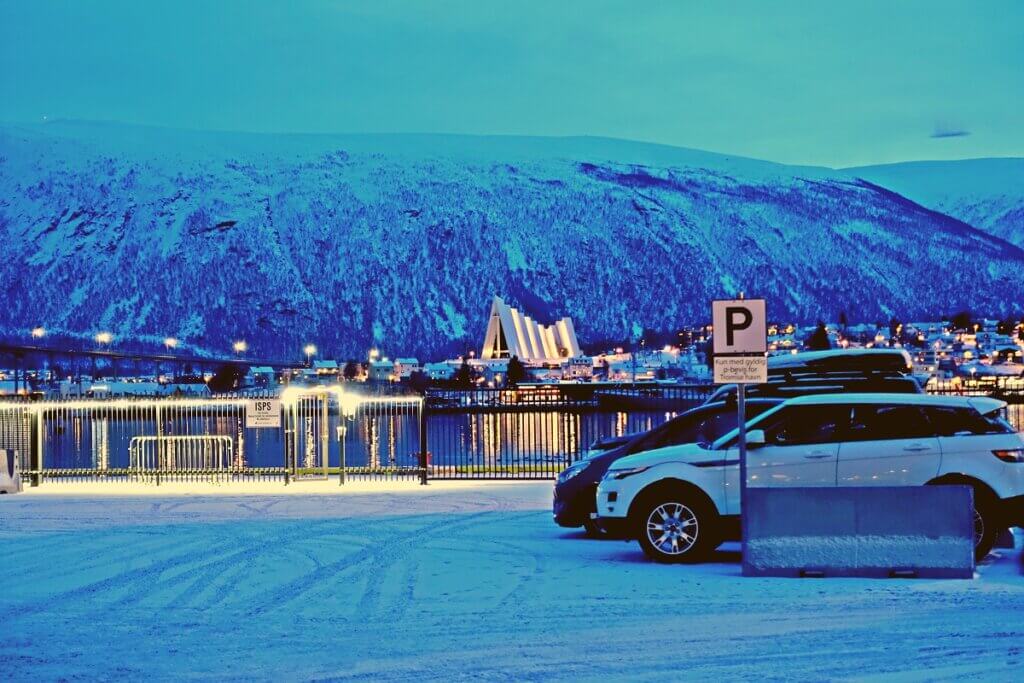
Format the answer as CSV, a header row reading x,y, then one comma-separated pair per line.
x,y
571,471
622,474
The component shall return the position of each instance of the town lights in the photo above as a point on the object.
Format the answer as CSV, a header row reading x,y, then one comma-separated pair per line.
x,y
38,332
170,343
104,338
240,346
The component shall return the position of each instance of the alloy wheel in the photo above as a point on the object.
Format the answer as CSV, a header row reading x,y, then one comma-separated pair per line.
x,y
672,528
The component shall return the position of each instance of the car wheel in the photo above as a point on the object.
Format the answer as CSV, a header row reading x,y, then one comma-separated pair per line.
x,y
674,526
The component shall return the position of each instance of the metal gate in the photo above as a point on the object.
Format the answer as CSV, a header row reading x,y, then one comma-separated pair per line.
x,y
307,426
16,431
330,431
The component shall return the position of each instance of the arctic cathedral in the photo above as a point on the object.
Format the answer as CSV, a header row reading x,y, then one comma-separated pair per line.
x,y
509,333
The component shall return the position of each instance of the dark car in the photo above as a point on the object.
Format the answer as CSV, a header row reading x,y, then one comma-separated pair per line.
x,y
826,384
610,442
836,371
864,362
576,487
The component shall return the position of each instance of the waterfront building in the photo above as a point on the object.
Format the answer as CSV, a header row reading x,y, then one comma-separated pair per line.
x,y
510,333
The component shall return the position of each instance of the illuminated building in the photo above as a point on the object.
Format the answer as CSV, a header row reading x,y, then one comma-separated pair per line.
x,y
510,333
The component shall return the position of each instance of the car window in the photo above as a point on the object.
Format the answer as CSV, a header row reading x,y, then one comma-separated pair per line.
x,y
880,422
966,421
803,425
688,429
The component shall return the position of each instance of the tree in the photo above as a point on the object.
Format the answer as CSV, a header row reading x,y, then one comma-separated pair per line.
x,y
515,373
419,382
819,341
351,370
962,321
709,354
1006,326
463,378
228,377
895,327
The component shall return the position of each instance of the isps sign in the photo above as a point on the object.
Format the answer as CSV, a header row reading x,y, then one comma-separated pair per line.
x,y
740,341
263,413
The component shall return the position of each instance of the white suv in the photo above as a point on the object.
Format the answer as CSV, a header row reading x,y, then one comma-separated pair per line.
x,y
681,502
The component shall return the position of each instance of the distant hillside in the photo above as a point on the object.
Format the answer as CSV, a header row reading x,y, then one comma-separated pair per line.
x,y
986,193
400,241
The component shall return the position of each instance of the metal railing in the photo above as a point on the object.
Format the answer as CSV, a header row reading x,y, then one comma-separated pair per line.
x,y
190,453
322,432
535,431
1009,389
331,431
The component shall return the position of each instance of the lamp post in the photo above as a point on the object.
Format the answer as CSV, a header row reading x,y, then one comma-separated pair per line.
x,y
38,332
240,347
310,351
170,343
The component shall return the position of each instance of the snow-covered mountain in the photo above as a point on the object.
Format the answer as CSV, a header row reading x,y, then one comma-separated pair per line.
x,y
401,240
986,193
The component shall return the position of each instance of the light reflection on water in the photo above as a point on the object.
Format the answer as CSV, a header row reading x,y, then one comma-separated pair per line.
x,y
484,440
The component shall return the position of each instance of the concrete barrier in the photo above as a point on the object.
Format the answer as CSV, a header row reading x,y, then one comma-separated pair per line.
x,y
10,477
884,531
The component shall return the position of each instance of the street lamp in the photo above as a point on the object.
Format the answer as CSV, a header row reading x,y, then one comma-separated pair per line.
x,y
170,343
240,346
104,338
310,351
38,332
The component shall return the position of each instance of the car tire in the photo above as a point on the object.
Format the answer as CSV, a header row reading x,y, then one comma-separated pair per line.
x,y
675,525
986,529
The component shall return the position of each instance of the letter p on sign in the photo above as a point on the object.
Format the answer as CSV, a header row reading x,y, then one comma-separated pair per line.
x,y
740,326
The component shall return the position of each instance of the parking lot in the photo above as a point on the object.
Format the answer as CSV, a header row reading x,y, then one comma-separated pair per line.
x,y
448,581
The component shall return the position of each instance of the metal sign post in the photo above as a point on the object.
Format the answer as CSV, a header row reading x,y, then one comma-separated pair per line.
x,y
740,333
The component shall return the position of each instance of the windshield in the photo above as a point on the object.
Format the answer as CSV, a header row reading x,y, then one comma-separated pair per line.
x,y
726,440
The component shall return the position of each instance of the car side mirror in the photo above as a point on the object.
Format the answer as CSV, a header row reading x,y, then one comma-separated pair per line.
x,y
755,438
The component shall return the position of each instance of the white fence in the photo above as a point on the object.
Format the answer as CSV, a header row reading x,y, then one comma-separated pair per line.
x,y
318,432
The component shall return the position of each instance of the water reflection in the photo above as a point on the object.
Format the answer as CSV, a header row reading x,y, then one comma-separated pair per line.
x,y
513,441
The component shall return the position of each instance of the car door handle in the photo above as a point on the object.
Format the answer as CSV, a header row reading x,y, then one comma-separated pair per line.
x,y
915,447
817,455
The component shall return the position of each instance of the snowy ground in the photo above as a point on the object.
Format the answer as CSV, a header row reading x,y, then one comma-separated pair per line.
x,y
449,581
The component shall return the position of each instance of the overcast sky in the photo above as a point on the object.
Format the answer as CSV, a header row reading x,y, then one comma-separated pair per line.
x,y
808,82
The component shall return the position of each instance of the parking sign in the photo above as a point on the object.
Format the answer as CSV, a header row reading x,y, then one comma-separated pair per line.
x,y
740,341
740,326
